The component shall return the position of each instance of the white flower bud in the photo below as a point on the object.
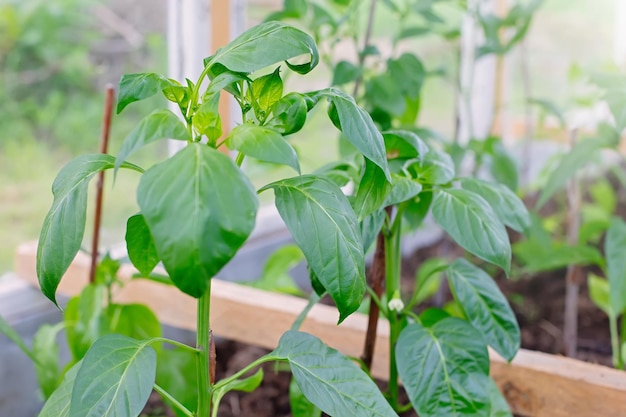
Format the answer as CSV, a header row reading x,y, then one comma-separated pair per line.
x,y
396,304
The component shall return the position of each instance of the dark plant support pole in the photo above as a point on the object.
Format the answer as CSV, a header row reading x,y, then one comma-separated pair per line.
x,y
572,278
366,41
104,146
378,286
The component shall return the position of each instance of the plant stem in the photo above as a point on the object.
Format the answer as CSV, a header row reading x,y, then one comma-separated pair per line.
x,y
172,400
366,42
104,146
203,344
572,284
618,361
392,283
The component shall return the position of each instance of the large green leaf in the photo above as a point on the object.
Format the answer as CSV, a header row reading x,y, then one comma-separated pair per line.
x,y
160,124
300,406
507,206
329,379
46,350
323,224
359,128
615,249
58,405
115,379
471,222
263,143
372,192
485,307
135,87
200,209
382,92
140,245
133,320
265,45
444,369
577,158
64,226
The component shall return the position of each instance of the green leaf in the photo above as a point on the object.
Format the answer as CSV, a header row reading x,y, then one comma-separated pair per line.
x,y
329,379
551,108
140,245
275,275
402,189
265,45
485,307
289,114
263,143
264,92
499,406
615,96
471,222
444,369
300,406
248,384
577,158
64,226
417,210
382,92
177,374
428,279
502,166
358,128
115,379
206,119
345,72
372,192
404,144
408,72
46,350
436,168
200,209
160,124
58,405
615,249
370,227
86,319
135,87
507,206
324,226
535,256
8,331
133,320
600,294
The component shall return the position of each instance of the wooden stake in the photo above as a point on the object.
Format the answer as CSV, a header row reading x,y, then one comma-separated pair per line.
x,y
104,146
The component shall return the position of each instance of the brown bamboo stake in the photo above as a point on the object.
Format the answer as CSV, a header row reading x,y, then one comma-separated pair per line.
x,y
104,146
572,277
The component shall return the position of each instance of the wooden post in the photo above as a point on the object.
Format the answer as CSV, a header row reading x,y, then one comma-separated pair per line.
x,y
220,19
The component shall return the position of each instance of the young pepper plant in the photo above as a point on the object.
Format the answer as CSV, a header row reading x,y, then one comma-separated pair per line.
x,y
198,208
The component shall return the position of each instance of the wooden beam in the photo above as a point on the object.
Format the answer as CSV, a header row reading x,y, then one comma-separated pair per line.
x,y
535,384
220,36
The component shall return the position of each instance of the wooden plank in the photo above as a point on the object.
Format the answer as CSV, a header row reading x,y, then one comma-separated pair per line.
x,y
535,384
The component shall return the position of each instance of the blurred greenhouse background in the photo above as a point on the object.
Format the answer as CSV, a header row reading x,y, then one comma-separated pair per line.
x,y
56,56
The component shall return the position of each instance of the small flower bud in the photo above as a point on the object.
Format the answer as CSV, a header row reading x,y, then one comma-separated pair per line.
x,y
396,304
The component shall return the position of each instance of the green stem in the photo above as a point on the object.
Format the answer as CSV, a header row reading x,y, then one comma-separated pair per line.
x,y
263,359
174,343
618,361
240,158
167,396
203,344
392,284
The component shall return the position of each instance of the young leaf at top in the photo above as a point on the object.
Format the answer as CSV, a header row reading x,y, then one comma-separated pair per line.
x,y
444,369
485,307
358,127
135,87
325,227
64,226
265,45
264,92
115,379
160,124
263,143
140,245
615,249
200,209
329,379
508,207
289,114
471,222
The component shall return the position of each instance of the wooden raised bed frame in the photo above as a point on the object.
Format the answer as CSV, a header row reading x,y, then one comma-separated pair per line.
x,y
535,384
